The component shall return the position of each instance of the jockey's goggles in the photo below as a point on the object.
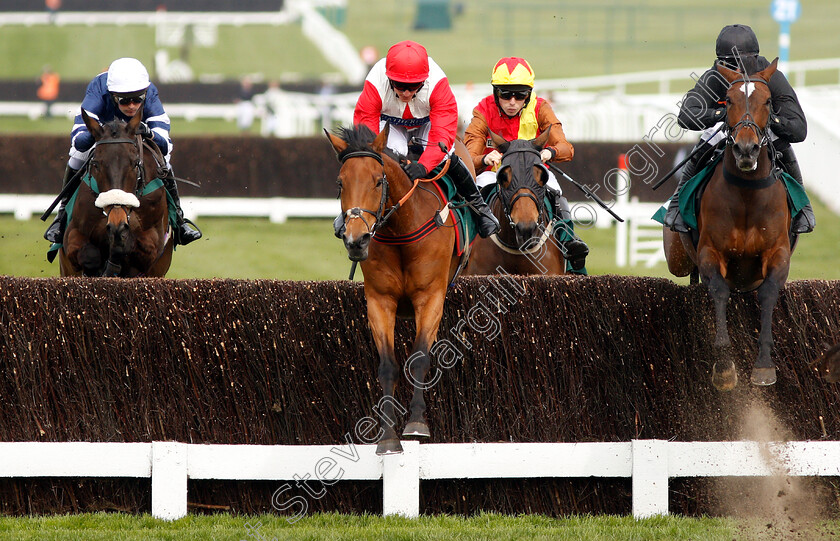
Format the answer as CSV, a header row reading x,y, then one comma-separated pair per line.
x,y
402,87
518,95
125,100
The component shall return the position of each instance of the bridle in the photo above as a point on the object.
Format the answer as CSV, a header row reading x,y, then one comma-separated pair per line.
x,y
747,120
518,186
379,215
138,165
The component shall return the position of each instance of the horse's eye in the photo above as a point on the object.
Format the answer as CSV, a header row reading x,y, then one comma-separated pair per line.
x,y
378,182
94,164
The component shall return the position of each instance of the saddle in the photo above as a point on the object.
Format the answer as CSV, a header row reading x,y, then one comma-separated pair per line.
x,y
692,192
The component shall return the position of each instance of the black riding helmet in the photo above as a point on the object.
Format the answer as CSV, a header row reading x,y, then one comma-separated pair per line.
x,y
736,36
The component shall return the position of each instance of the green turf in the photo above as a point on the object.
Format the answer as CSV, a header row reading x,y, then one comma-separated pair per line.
x,y
307,250
366,527
329,527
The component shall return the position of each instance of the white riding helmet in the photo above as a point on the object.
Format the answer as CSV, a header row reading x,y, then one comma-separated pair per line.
x,y
126,75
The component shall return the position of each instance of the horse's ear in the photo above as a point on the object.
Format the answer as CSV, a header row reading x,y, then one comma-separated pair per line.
x,y
378,144
499,141
539,142
768,72
92,125
337,142
728,74
135,120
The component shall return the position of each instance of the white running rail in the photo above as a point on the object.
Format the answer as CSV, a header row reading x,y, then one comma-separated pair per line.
x,y
649,463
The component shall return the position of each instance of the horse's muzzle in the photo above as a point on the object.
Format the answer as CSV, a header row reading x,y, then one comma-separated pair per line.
x,y
746,155
527,234
357,247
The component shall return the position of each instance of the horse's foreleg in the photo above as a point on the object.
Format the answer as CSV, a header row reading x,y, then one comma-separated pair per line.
x,y
724,375
427,314
382,317
764,370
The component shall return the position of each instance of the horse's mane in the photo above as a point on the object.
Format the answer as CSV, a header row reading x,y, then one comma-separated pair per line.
x,y
359,138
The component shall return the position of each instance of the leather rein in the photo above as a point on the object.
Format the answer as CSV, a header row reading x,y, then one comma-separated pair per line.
x,y
381,215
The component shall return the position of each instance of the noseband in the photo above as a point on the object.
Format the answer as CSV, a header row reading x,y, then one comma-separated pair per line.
x,y
356,212
517,184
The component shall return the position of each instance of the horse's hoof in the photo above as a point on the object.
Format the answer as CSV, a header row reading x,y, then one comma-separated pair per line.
x,y
726,379
417,429
763,376
389,447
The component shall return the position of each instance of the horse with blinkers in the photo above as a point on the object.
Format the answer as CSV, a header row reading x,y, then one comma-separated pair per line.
x,y
525,244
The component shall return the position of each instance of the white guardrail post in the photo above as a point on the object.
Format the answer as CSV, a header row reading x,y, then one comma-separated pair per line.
x,y
401,482
650,478
169,480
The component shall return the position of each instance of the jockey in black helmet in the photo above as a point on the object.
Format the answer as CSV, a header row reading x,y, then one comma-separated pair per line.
x,y
703,108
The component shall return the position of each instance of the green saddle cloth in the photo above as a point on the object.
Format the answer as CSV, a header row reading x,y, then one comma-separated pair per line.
x,y
466,231
689,202
91,182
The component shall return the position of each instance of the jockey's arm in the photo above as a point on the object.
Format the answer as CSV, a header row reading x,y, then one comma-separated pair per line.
x,y
95,105
368,108
788,120
155,116
443,115
475,139
698,110
560,148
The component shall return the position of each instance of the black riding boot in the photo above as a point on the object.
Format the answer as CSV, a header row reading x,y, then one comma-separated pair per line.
x,y
465,185
186,231
673,218
805,220
574,250
55,232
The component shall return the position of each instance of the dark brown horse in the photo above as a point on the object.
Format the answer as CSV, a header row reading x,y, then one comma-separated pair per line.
x,y
381,206
743,225
525,244
119,224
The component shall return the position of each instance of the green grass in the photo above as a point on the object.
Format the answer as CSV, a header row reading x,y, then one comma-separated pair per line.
x,y
329,527
307,250
231,248
121,527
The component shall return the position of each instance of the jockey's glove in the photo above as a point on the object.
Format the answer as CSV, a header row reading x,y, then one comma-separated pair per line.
x,y
144,130
414,170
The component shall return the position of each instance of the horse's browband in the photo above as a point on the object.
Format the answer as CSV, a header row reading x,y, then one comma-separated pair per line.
x,y
362,154
750,80
132,141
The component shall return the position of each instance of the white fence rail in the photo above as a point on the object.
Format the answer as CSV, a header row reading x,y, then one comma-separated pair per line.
x,y
649,463
638,239
276,209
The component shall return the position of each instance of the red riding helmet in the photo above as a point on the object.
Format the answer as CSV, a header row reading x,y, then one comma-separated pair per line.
x,y
407,62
